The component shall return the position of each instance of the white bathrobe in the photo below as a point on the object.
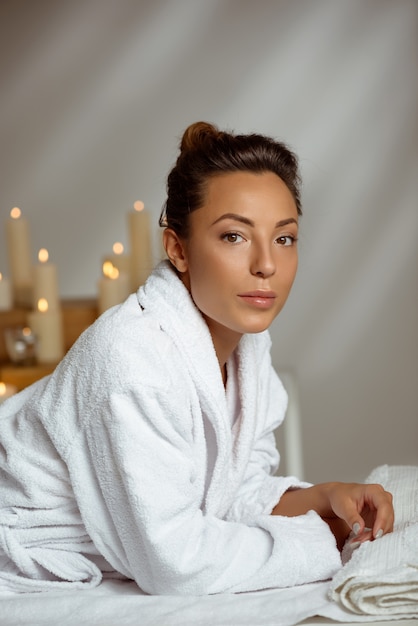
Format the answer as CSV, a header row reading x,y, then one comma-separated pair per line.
x,y
125,459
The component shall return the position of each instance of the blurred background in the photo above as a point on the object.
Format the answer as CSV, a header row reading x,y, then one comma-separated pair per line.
x,y
95,95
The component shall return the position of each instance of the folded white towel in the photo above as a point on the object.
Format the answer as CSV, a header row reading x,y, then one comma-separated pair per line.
x,y
381,577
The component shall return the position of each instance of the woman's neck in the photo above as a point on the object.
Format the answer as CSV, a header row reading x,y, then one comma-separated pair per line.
x,y
224,341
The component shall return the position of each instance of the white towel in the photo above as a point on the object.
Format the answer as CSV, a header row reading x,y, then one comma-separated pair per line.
x,y
381,577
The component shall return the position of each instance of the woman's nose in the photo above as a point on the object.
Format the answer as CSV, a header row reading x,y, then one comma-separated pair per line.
x,y
262,262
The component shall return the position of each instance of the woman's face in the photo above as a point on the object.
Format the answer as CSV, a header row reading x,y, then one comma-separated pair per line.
x,y
240,259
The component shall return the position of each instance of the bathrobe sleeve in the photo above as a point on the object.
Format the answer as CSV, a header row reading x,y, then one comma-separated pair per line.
x,y
134,474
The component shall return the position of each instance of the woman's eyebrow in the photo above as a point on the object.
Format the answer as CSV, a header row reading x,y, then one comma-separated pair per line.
x,y
248,222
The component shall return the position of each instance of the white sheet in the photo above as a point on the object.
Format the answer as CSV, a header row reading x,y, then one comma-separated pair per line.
x,y
116,603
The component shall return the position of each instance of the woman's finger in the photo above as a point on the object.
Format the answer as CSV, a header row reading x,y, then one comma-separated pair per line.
x,y
382,502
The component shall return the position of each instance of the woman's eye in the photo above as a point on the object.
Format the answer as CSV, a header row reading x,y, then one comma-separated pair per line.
x,y
232,237
286,240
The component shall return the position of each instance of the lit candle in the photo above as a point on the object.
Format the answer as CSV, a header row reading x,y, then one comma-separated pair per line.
x,y
19,250
48,328
6,298
140,240
113,287
45,281
6,391
118,259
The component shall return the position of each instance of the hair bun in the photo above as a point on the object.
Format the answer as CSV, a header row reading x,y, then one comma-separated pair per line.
x,y
197,134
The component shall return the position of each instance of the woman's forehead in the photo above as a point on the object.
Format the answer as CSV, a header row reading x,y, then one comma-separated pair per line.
x,y
244,193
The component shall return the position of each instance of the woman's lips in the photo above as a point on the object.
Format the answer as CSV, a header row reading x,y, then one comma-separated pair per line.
x,y
259,299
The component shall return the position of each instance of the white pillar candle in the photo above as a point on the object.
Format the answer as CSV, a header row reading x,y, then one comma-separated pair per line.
x,y
118,259
19,251
6,391
48,328
6,298
113,287
140,240
45,282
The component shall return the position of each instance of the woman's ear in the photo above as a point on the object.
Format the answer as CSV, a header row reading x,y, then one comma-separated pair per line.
x,y
175,249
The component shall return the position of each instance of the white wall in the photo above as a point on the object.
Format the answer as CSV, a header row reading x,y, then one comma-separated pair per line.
x,y
94,97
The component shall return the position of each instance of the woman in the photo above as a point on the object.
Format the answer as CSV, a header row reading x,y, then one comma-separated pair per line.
x,y
149,452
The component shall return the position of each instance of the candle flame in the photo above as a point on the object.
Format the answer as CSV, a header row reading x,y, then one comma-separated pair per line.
x,y
15,213
42,305
1,276
139,205
107,268
110,271
2,389
118,247
43,255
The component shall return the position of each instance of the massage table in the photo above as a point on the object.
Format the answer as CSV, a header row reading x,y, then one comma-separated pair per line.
x,y
387,563
118,604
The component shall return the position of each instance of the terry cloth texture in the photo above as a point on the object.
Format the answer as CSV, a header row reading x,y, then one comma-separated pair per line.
x,y
381,577
124,459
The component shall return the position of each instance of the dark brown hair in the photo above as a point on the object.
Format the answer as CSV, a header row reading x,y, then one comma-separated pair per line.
x,y
205,152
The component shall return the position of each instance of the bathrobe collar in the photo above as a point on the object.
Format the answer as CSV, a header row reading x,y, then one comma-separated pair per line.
x,y
167,299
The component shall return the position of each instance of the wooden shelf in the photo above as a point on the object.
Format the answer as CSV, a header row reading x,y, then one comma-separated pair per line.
x,y
22,376
77,314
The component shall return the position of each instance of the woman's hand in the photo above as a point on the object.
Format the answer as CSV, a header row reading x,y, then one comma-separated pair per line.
x,y
367,510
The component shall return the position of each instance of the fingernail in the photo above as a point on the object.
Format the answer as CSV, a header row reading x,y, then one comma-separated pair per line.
x,y
356,528
379,534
